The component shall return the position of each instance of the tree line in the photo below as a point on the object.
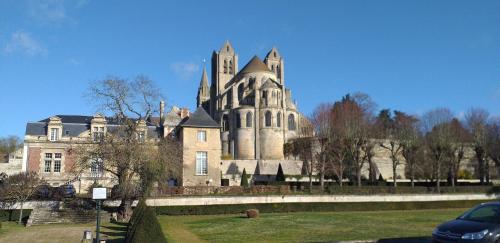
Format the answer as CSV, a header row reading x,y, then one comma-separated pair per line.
x,y
431,146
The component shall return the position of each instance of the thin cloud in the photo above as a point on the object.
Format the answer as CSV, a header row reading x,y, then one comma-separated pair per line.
x,y
53,12
47,11
185,70
22,42
75,62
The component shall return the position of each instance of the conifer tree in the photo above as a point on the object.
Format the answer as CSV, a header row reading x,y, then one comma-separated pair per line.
x,y
244,179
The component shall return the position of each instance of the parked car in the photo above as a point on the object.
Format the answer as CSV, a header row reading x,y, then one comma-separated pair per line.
x,y
67,191
43,192
479,224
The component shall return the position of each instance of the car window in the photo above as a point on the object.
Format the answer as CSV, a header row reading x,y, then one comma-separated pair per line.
x,y
486,213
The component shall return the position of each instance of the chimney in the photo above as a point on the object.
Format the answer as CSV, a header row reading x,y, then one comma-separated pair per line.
x,y
162,108
184,113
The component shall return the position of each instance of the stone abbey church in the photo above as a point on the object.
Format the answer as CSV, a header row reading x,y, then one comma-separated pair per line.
x,y
253,106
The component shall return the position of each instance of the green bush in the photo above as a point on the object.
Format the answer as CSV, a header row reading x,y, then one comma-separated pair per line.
x,y
137,214
280,177
311,207
13,215
144,226
244,179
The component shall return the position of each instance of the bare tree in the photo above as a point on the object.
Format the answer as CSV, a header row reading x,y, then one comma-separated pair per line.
x,y
493,142
476,119
390,139
8,145
321,120
460,139
20,187
303,149
350,126
136,162
410,141
438,138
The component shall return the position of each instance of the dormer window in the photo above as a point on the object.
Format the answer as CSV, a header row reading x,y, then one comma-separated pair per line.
x,y
54,134
98,134
141,136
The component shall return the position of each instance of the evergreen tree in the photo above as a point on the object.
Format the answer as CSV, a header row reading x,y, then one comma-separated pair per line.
x,y
244,179
280,177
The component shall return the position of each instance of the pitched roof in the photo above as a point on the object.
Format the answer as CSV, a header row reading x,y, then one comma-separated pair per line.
x,y
269,84
255,65
200,118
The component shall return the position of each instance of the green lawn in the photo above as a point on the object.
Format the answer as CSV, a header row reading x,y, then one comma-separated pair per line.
x,y
307,226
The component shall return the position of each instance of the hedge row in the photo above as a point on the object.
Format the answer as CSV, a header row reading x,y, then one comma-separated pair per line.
x,y
144,226
13,214
311,207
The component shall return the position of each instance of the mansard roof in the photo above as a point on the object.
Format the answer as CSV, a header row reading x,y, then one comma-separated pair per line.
x,y
74,125
255,65
200,118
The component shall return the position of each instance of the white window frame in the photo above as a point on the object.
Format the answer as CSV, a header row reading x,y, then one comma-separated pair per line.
x,y
96,168
47,161
57,160
54,134
201,163
202,136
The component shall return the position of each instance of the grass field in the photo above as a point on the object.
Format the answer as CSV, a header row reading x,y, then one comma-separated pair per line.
x,y
305,227
271,227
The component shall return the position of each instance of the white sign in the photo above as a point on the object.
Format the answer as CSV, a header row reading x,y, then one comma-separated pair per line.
x,y
99,193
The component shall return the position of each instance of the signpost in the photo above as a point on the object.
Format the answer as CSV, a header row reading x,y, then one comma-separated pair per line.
x,y
98,194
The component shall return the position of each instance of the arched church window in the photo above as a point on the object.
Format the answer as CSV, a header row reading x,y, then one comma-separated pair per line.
x,y
272,68
251,83
240,93
278,71
225,123
238,120
229,100
249,119
291,122
274,54
227,48
268,118
230,66
278,119
225,66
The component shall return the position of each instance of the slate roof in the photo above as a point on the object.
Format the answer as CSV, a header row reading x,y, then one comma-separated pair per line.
x,y
200,118
255,65
74,125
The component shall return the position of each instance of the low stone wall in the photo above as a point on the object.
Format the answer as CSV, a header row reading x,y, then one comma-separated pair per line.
x,y
221,200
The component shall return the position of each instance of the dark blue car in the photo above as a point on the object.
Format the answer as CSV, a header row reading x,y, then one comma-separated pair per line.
x,y
480,224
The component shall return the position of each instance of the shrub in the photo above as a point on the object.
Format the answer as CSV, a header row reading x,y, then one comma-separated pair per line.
x,y
252,213
464,174
244,179
280,177
144,226
13,214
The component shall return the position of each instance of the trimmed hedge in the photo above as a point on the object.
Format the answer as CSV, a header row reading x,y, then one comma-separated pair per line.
x,y
13,215
311,207
144,226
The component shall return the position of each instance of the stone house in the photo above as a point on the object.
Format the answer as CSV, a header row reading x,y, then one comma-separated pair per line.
x,y
200,136
49,145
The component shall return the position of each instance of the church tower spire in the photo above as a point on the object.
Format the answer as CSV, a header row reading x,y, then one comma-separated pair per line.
x,y
203,97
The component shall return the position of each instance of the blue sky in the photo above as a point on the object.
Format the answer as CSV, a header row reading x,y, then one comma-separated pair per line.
x,y
407,55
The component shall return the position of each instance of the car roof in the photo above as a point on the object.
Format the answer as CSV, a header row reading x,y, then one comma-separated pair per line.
x,y
491,203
